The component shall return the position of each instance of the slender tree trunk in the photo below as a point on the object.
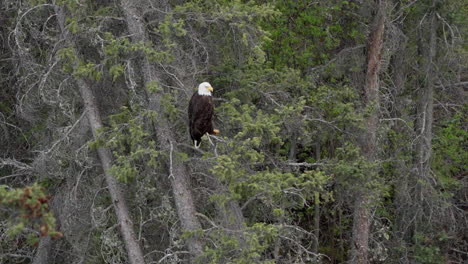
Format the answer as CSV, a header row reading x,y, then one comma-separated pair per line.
x,y
317,206
43,251
425,115
229,214
293,149
135,254
178,172
361,227
399,78
362,205
316,221
425,105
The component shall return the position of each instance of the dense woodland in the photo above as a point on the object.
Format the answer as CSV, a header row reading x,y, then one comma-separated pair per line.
x,y
343,131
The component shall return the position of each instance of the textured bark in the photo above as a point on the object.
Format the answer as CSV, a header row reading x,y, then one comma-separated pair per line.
x,y
361,226
43,251
424,119
135,254
316,222
368,141
399,77
293,149
425,104
317,207
178,172
230,214
371,88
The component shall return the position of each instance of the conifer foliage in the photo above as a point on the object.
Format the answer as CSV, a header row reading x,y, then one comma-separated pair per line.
x,y
343,131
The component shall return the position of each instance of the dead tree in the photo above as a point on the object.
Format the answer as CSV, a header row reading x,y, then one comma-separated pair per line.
x,y
178,172
425,111
368,140
135,254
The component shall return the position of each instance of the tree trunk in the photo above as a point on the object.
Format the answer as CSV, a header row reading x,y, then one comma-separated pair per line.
x,y
424,117
317,207
316,222
43,251
361,227
178,172
229,214
368,141
425,107
135,254
399,74
293,149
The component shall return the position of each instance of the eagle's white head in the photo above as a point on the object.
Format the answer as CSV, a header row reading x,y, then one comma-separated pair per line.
x,y
205,89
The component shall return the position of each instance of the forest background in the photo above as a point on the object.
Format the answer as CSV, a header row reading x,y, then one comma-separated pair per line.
x,y
343,131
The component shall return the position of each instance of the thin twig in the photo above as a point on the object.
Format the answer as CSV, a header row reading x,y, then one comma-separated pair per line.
x,y
171,175
214,146
66,133
305,164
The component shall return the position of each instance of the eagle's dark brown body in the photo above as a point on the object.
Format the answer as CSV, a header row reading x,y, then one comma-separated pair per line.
x,y
200,112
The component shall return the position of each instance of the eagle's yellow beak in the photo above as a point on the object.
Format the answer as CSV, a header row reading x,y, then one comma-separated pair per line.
x,y
210,89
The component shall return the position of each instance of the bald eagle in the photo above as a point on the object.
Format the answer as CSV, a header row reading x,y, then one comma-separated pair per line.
x,y
200,113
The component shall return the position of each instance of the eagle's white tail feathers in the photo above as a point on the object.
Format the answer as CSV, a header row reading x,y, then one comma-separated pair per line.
x,y
197,144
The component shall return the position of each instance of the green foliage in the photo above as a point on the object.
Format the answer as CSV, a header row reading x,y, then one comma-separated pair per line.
x,y
337,103
131,143
306,34
116,49
81,69
116,71
239,13
232,25
230,249
87,70
124,170
450,155
290,116
170,27
31,208
153,87
72,25
357,174
68,57
169,107
426,250
258,126
456,11
70,4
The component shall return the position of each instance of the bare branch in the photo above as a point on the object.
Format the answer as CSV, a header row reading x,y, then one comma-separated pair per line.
x,y
14,163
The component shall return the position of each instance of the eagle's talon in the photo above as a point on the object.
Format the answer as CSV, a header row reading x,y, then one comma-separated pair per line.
x,y
215,131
